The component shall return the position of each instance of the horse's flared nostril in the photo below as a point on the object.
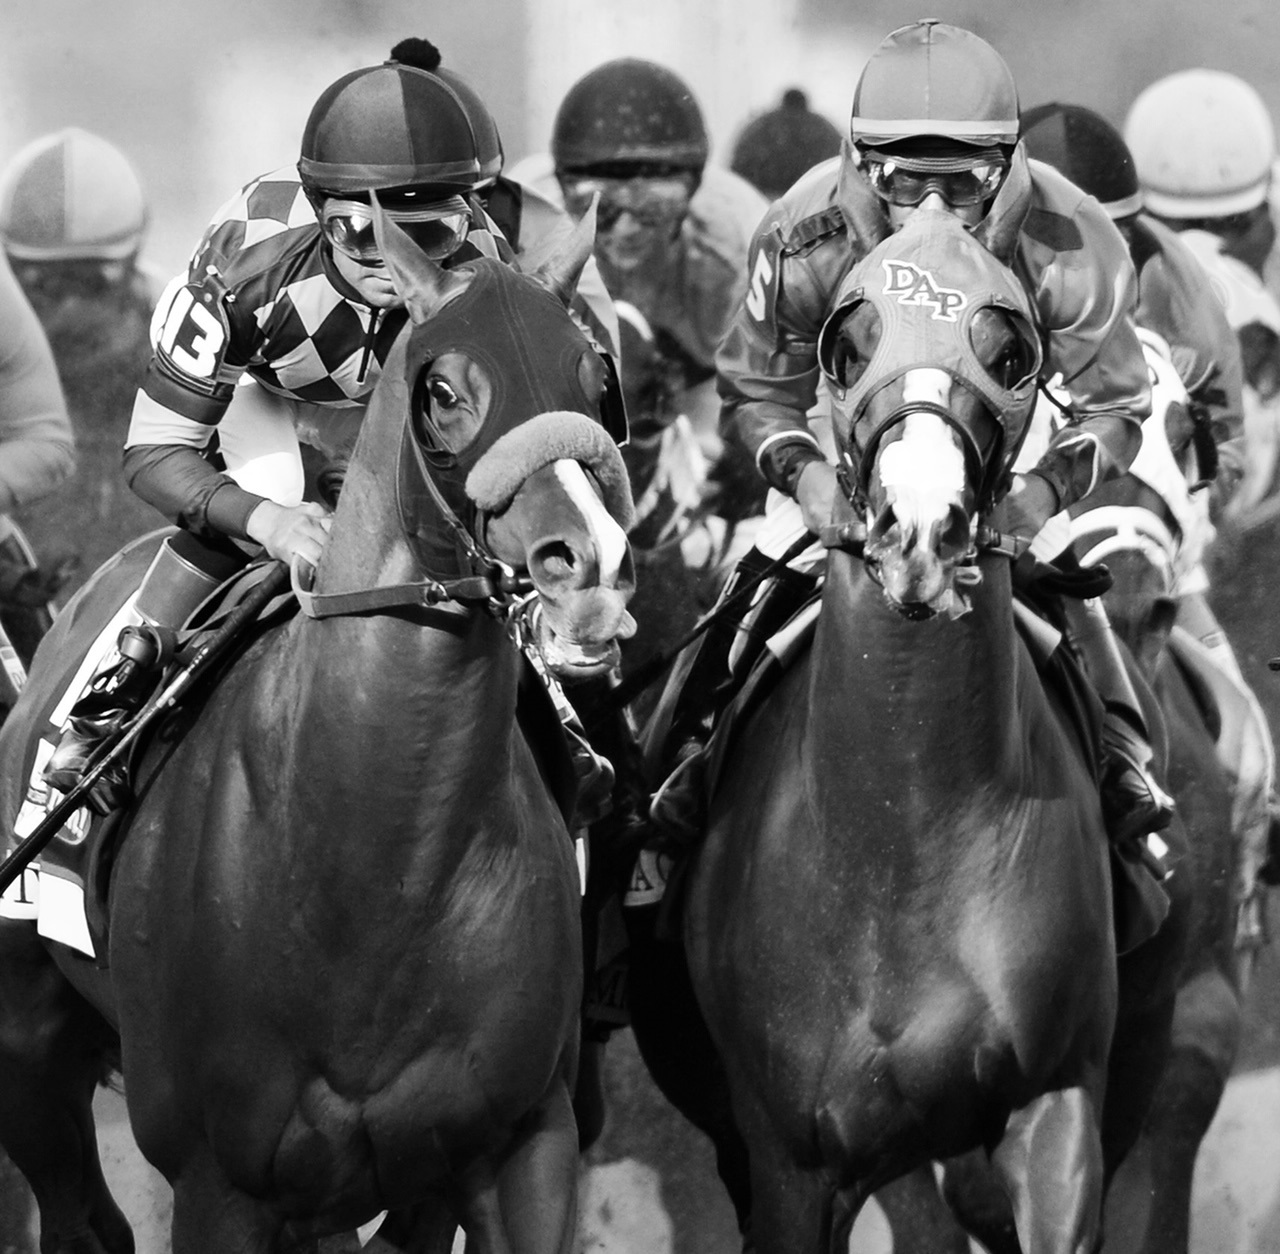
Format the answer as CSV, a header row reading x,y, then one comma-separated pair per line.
x,y
557,564
954,537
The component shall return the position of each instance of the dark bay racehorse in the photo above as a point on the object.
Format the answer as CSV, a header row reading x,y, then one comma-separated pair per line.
x,y
1178,1020
345,960
899,927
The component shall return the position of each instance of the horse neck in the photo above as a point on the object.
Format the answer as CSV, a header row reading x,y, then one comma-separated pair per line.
x,y
422,690
945,689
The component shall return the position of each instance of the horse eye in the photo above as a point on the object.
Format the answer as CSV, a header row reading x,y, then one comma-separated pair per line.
x,y
441,394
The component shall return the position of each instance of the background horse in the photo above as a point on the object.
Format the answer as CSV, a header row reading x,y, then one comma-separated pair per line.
x,y
899,926
345,963
1138,524
682,544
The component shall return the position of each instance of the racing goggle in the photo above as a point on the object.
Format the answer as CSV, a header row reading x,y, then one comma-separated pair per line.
x,y
899,186
651,201
438,229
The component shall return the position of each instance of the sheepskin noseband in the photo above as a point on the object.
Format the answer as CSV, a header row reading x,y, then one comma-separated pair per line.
x,y
547,438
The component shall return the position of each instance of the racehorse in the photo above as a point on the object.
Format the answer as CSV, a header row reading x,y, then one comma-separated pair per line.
x,y
1179,993
899,926
344,965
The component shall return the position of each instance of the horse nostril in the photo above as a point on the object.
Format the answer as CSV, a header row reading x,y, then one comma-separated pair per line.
x,y
556,562
954,537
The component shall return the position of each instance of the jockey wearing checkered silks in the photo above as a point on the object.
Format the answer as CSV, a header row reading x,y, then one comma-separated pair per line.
x,y
277,332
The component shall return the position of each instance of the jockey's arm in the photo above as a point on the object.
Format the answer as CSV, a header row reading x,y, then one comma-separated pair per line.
x,y
35,430
767,364
1086,301
165,464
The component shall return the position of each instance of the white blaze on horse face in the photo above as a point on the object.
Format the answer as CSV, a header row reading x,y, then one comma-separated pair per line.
x,y
611,540
923,472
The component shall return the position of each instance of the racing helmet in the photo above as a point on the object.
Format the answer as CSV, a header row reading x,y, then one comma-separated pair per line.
x,y
1085,147
71,196
389,127
1203,144
776,148
421,54
629,113
931,79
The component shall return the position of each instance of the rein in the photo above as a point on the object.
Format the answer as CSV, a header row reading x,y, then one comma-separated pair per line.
x,y
497,586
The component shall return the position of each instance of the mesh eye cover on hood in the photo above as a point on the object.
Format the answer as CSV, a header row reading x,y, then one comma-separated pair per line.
x,y
927,282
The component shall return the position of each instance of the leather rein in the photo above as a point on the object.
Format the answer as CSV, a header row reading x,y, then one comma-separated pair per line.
x,y
495,586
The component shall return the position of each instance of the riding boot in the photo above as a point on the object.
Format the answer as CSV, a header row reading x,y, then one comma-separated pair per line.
x,y
1134,805
677,811
183,572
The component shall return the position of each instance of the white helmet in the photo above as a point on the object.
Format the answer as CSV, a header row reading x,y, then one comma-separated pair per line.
x,y
1203,144
71,196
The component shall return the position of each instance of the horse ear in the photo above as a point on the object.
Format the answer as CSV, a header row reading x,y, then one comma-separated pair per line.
x,y
999,230
562,270
423,285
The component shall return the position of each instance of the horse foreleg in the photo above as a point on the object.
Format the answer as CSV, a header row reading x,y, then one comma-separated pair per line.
x,y
794,1210
918,1217
53,1055
1206,1036
978,1199
1050,1161
211,1216
531,1207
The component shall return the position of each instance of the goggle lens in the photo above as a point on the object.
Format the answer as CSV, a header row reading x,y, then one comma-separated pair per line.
x,y
959,188
651,202
348,226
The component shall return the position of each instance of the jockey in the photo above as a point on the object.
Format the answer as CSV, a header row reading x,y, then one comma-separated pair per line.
x,y
35,430
1176,296
277,333
39,448
672,231
1203,146
1178,299
73,220
935,125
773,150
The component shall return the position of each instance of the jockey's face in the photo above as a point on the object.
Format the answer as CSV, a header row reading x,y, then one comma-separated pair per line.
x,y
372,282
637,219
963,187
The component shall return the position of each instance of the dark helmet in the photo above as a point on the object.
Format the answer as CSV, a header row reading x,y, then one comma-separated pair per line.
x,y
933,79
421,54
629,113
389,126
776,148
1085,147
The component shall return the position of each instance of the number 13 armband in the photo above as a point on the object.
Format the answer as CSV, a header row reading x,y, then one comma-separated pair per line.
x,y
191,333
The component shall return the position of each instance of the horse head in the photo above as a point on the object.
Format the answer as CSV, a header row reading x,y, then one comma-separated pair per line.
x,y
931,357
490,411
1147,525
